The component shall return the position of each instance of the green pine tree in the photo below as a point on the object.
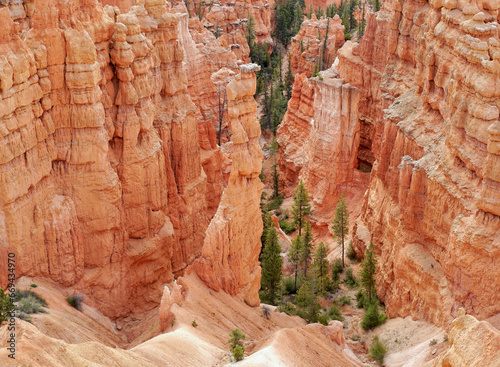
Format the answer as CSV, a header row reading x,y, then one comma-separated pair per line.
x,y
250,30
6,306
275,181
307,249
236,345
368,269
272,264
294,256
289,80
301,206
320,266
307,300
341,223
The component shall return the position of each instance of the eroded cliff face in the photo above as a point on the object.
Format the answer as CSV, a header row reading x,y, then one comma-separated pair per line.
x,y
432,208
229,259
110,174
308,46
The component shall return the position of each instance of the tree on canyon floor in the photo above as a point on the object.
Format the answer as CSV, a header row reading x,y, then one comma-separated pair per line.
x,y
320,266
307,250
294,257
341,223
368,269
307,300
236,345
301,207
272,264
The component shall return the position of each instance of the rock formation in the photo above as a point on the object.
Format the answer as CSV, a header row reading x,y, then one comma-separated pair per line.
x,y
319,143
229,259
472,343
308,46
110,174
430,89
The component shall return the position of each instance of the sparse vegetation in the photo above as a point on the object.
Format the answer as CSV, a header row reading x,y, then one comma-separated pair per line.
x,y
445,338
373,317
345,300
433,342
236,345
33,285
334,313
75,301
194,323
356,338
6,306
286,226
350,279
351,254
378,350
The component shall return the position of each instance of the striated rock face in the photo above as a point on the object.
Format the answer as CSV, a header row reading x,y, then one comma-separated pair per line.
x,y
110,173
308,46
319,143
229,259
429,104
293,132
472,343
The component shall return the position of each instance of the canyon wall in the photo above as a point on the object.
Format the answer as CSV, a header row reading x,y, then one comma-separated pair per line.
x,y
230,253
310,49
429,78
110,174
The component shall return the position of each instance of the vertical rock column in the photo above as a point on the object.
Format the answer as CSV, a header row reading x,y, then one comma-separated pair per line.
x,y
229,259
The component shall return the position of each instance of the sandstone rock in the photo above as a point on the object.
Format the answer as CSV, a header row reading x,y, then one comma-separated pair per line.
x,y
229,259
308,45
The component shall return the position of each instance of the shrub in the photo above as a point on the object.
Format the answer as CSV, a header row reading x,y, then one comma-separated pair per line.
x,y
373,317
289,285
334,313
18,295
75,301
275,203
350,279
351,254
33,285
445,338
6,306
288,308
238,353
194,323
324,318
336,270
361,299
433,342
286,226
29,305
236,345
356,338
378,350
345,300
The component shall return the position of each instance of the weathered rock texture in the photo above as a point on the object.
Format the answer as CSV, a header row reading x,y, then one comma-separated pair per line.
x,y
229,259
109,172
429,78
308,46
319,140
472,343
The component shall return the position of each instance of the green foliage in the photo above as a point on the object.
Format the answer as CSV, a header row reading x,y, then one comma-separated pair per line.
x,y
378,350
286,226
275,203
334,313
275,181
433,342
350,279
236,345
33,285
75,301
307,249
307,301
336,270
294,256
310,12
320,266
368,269
331,10
289,80
272,264
6,306
373,317
194,323
217,31
351,254
319,12
376,5
289,286
301,206
445,338
356,338
250,30
345,300
361,299
287,19
19,295
341,223
316,70
362,24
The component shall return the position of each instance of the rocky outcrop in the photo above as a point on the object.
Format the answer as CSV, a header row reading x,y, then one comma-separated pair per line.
x,y
319,143
472,343
429,100
293,132
110,173
316,44
229,259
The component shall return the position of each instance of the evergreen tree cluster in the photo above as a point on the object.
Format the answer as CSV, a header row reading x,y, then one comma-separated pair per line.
x,y
288,16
